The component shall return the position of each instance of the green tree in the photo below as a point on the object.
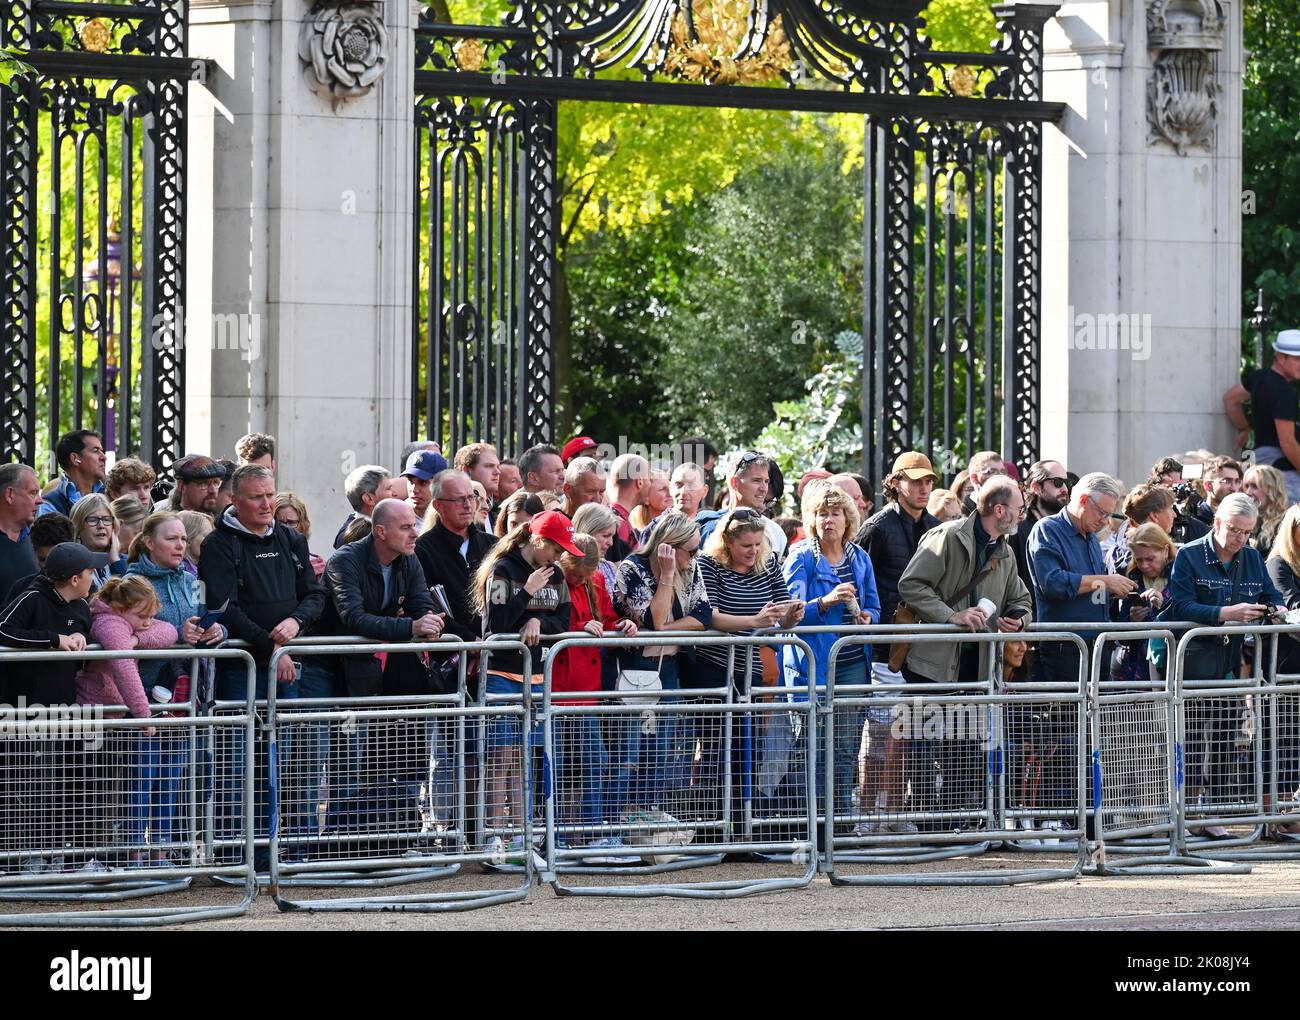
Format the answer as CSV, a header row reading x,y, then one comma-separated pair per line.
x,y
1271,158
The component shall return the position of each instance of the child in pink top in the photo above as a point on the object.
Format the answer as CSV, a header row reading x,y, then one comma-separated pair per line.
x,y
122,617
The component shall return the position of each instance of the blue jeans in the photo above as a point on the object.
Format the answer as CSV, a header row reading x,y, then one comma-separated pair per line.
x,y
231,685
154,787
644,759
581,769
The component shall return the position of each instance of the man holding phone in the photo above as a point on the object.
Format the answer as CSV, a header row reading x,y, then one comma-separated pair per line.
x,y
964,573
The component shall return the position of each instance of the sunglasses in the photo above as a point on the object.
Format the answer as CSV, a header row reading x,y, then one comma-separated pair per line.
x,y
745,515
1063,482
747,459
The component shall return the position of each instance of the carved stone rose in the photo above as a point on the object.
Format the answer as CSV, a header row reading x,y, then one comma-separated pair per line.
x,y
345,48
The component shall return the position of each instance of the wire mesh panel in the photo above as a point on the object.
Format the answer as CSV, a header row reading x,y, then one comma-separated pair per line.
x,y
97,807
642,783
916,772
370,792
1133,749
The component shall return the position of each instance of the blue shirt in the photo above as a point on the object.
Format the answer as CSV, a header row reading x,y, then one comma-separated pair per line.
x,y
62,496
1201,584
1059,557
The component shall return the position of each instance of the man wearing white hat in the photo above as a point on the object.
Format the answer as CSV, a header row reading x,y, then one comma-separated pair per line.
x,y
1274,410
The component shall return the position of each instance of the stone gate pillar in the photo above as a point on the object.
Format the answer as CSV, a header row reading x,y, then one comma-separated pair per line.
x,y
1141,231
300,205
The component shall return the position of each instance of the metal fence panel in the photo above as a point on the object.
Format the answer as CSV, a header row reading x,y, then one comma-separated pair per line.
x,y
101,809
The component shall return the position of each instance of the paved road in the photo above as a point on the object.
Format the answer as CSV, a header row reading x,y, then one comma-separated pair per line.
x,y
1268,899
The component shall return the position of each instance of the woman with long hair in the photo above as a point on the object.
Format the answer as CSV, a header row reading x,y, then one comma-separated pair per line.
x,y
95,527
1284,569
518,508
519,589
1266,486
658,587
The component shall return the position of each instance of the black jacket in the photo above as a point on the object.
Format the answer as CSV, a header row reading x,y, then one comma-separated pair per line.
x,y
510,607
267,579
356,605
890,538
34,621
438,550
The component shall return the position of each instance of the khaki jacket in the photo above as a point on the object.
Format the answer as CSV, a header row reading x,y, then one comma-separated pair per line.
x,y
944,564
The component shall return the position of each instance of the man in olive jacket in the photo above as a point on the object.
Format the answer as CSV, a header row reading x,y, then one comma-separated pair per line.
x,y
947,560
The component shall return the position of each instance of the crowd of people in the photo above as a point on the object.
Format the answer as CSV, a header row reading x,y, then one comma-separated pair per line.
x,y
557,542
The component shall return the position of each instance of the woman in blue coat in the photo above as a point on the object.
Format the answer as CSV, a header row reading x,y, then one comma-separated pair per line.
x,y
833,577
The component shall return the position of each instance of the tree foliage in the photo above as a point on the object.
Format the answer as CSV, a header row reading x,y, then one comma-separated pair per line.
x,y
1271,159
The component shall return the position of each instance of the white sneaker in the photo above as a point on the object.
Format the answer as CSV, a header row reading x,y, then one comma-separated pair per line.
x,y
907,827
35,866
496,847
92,865
870,828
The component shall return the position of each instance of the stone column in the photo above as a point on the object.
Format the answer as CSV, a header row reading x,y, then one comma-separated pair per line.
x,y
301,214
1141,231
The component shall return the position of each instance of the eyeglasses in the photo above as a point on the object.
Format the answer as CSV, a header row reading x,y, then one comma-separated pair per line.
x,y
97,522
1238,531
460,501
1106,513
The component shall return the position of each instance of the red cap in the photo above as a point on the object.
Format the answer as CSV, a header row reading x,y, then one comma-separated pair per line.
x,y
559,529
575,447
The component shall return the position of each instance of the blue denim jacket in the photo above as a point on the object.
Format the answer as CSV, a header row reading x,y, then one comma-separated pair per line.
x,y
1059,557
1201,584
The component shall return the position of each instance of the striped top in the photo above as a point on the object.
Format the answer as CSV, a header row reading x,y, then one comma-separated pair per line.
x,y
739,595
851,653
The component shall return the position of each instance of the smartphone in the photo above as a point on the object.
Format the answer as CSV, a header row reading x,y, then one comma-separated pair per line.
x,y
1134,596
1017,614
213,616
439,595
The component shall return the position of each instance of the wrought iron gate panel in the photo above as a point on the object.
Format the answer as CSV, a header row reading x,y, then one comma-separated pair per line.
x,y
472,317
952,188
93,208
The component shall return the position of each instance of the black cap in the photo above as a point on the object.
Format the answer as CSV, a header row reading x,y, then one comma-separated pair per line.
x,y
67,559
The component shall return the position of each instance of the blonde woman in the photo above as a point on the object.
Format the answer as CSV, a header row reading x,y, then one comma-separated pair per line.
x,y
1266,486
1284,569
658,500
95,527
945,505
292,513
198,526
601,523
659,586
130,514
833,577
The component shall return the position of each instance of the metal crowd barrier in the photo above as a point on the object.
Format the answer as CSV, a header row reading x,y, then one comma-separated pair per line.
x,y
943,751
110,809
371,792
641,785
1239,746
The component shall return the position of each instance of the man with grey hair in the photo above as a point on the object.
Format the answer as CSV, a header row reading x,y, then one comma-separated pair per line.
x,y
364,488
20,495
981,467
688,486
584,481
1068,570
1218,579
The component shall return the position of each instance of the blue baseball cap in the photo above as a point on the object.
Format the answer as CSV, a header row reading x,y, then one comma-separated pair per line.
x,y
424,464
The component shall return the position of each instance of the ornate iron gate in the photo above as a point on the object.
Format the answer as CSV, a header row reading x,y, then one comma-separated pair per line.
x,y
952,193
92,198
